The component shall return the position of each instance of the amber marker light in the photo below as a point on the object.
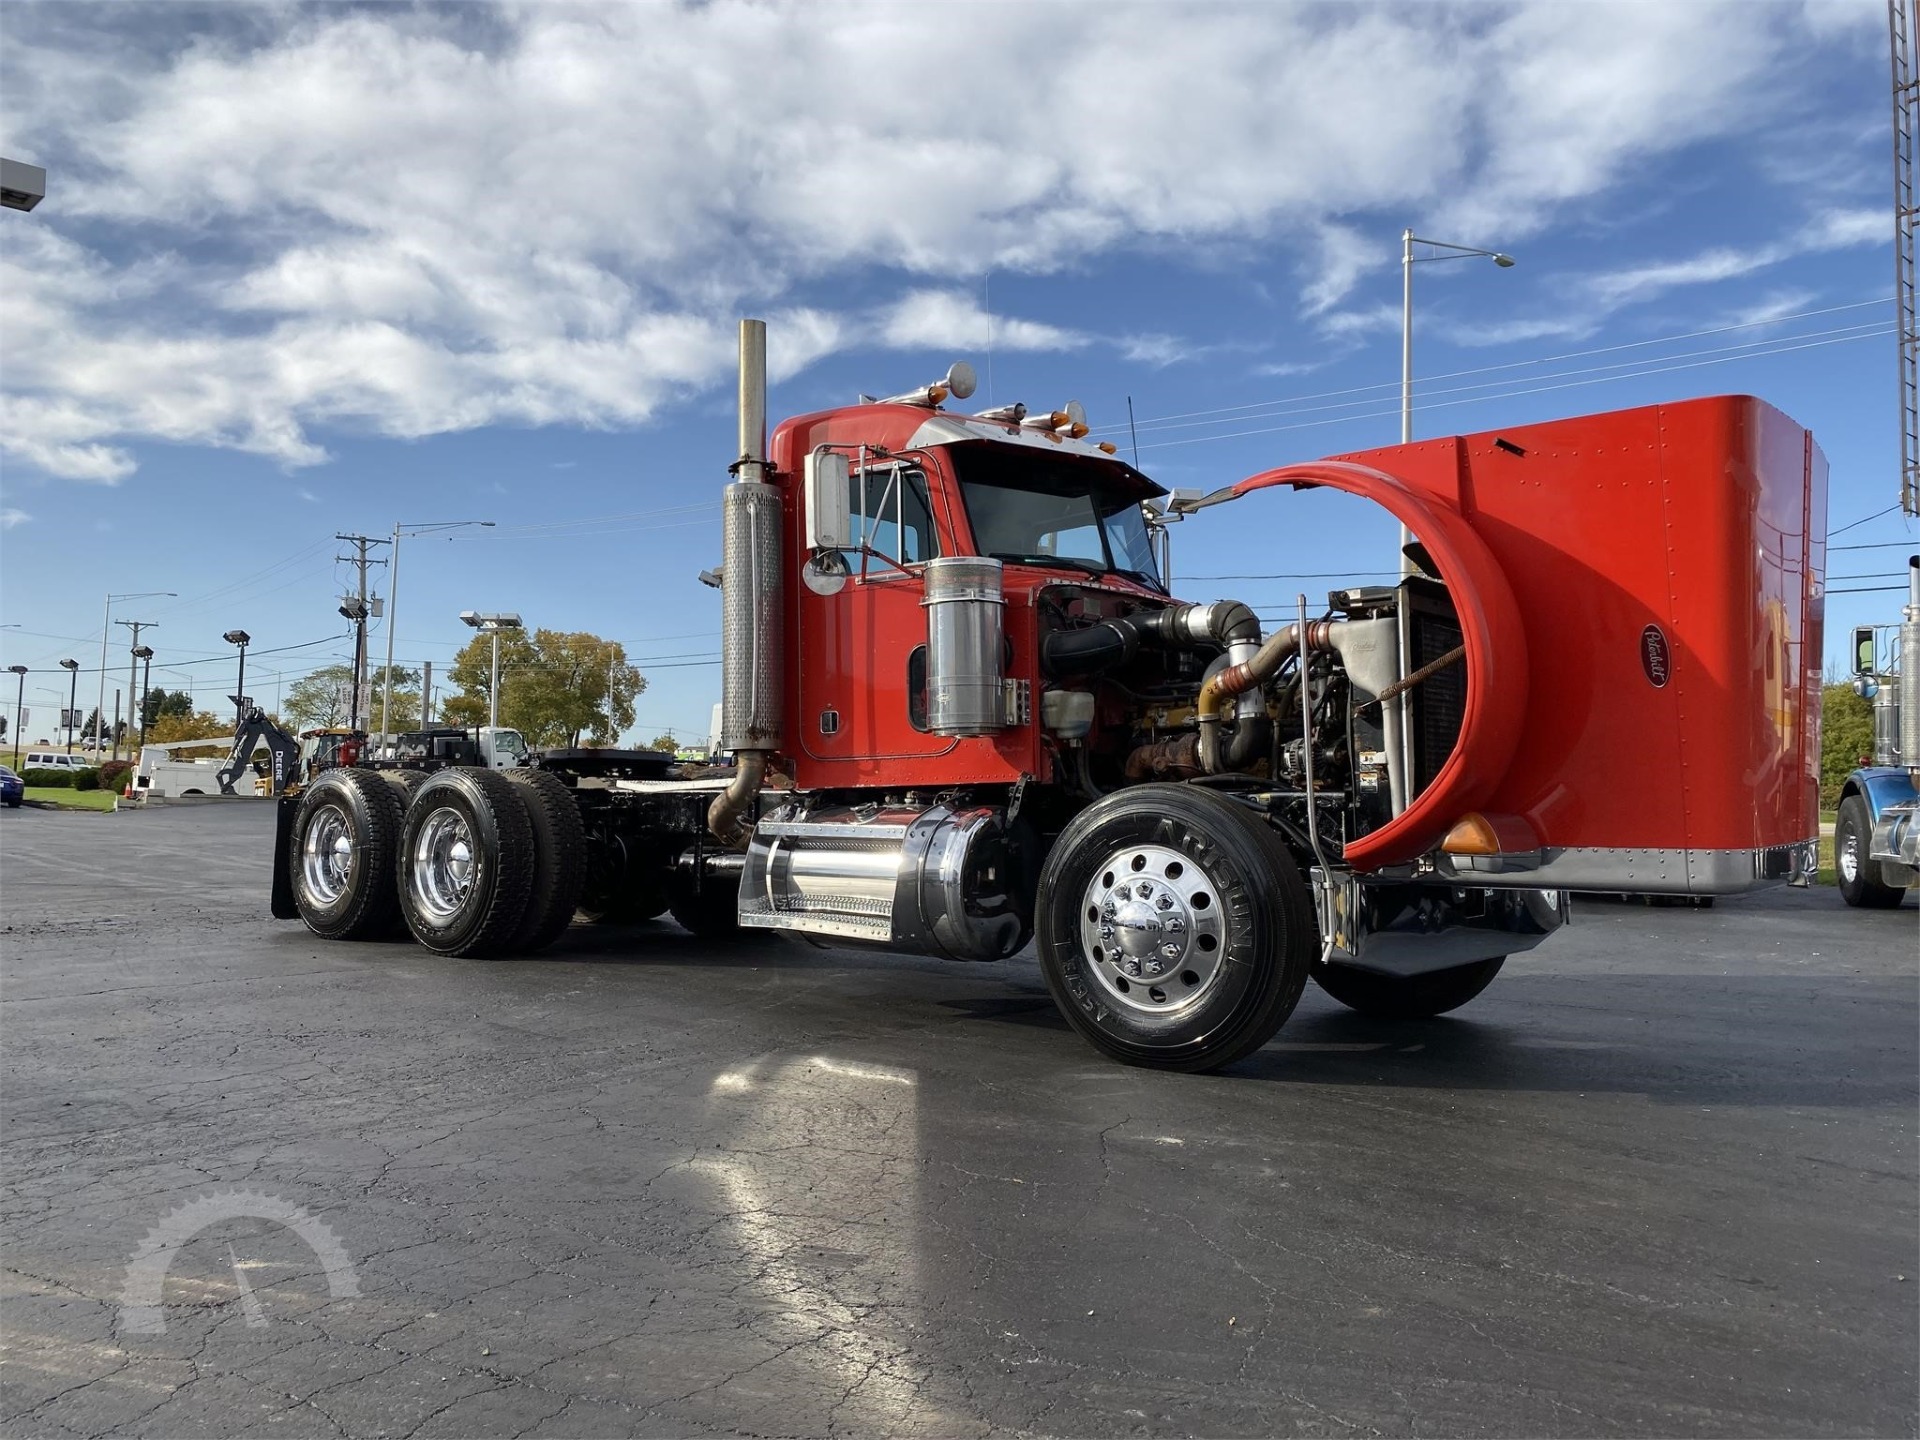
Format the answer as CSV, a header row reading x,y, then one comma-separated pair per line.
x,y
1472,835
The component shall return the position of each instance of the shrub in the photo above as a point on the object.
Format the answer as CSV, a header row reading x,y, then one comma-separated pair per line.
x,y
49,779
113,775
86,779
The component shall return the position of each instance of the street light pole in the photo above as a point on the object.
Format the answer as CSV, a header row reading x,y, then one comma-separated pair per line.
x,y
106,632
492,624
393,600
72,667
19,700
133,676
144,654
1407,261
242,639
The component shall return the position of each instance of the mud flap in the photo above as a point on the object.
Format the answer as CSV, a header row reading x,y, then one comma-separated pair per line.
x,y
283,905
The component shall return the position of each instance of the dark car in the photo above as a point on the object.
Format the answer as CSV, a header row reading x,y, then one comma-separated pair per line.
x,y
12,788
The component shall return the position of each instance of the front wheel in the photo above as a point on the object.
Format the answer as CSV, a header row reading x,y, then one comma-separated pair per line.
x,y
1174,929
1406,997
1854,868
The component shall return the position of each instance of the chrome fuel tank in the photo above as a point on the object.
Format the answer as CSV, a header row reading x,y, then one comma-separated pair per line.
x,y
933,880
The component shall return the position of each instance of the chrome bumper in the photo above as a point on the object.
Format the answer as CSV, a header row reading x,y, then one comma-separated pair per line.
x,y
1400,927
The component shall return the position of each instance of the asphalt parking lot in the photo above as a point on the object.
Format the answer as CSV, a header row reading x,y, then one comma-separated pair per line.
x,y
1659,1180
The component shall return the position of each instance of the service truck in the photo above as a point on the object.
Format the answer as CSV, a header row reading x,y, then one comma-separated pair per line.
x,y
966,713
1876,832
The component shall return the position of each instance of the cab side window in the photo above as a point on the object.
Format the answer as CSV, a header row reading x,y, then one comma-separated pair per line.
x,y
893,516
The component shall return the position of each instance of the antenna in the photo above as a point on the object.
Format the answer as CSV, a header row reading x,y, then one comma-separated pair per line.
x,y
1134,433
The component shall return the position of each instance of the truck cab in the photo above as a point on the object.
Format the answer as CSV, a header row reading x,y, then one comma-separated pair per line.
x,y
1876,833
494,747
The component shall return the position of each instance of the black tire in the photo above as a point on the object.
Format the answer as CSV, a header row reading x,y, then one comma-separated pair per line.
x,y
1245,938
350,897
471,907
625,883
712,912
559,858
1406,997
1852,841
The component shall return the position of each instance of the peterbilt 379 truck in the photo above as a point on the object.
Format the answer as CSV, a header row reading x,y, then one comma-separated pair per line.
x,y
967,713
1876,833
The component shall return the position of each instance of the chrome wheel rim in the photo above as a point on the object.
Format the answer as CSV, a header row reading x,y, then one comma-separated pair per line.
x,y
326,854
1152,931
1849,858
443,865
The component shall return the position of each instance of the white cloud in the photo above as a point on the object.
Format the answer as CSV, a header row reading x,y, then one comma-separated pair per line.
x,y
953,320
416,220
10,517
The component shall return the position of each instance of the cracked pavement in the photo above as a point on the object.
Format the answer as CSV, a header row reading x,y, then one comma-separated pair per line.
x,y
1660,1179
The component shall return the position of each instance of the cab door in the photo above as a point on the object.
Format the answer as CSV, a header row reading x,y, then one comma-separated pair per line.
x,y
862,640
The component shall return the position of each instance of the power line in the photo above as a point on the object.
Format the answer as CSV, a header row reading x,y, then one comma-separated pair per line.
x,y
1161,420
1855,524
1426,391
1509,394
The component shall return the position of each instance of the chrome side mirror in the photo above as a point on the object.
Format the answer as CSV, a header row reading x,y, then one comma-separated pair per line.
x,y
829,490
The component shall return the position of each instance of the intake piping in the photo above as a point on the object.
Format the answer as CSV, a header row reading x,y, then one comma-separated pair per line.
x,y
1250,674
723,816
1109,643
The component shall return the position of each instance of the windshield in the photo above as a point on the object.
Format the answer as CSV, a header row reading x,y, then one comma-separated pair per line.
x,y
1040,509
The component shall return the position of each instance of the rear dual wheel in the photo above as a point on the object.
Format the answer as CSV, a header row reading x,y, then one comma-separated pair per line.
x,y
472,862
341,855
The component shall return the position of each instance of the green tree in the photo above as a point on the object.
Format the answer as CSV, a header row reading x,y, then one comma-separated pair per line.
x,y
164,702
663,742
1846,734
324,697
194,725
556,687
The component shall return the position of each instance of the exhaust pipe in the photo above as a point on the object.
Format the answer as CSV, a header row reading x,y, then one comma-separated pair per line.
x,y
750,594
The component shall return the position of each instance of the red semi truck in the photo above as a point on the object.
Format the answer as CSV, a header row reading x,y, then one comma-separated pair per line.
x,y
968,713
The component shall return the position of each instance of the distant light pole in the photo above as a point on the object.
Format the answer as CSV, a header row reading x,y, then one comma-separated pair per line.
x,y
106,630
19,699
1407,261
492,624
242,639
72,667
393,597
144,654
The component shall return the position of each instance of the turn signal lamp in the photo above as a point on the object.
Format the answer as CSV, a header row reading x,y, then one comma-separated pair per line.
x,y
1109,447
1474,835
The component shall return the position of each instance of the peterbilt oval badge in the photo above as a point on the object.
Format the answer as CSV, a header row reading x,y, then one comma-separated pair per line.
x,y
1655,658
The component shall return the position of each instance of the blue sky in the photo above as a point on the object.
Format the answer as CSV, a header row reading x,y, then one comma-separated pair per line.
x,y
305,270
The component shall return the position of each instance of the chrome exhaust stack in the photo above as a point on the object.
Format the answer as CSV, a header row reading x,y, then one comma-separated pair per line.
x,y
750,596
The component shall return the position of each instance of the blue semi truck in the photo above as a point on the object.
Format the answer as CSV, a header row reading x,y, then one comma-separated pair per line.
x,y
1876,836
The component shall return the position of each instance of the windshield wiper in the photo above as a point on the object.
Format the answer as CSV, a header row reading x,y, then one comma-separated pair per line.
x,y
1065,562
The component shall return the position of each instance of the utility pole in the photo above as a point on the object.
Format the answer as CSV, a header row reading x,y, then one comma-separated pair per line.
x,y
1906,116
145,655
426,694
355,609
133,678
